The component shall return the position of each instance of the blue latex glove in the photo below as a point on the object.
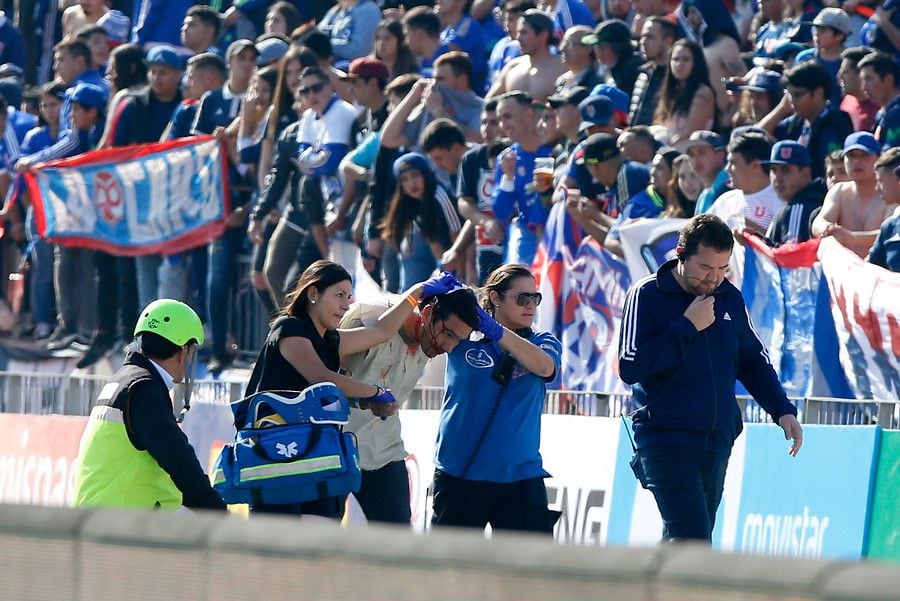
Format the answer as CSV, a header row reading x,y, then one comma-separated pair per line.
x,y
442,284
383,396
385,400
489,326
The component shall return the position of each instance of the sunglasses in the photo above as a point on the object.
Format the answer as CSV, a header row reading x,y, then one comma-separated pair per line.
x,y
313,89
523,298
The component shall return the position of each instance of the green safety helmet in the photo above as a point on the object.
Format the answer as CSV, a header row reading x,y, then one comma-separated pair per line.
x,y
171,319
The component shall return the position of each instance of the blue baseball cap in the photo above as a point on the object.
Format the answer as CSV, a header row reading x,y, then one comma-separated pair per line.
x,y
595,110
412,160
789,152
620,100
89,95
764,81
861,140
165,56
704,137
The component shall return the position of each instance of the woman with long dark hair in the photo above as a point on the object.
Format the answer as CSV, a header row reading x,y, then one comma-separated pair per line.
x,y
488,467
391,49
686,100
685,186
304,347
421,221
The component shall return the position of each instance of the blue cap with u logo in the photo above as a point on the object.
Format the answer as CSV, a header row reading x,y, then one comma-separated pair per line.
x,y
789,152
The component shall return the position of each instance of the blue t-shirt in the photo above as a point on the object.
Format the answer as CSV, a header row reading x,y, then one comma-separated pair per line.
x,y
511,448
182,121
570,13
504,51
36,139
887,124
522,203
709,195
886,250
646,203
466,36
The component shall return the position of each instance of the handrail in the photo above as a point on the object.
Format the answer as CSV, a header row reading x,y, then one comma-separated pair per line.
x,y
73,394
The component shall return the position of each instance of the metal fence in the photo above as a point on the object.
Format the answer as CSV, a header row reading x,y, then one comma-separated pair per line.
x,y
40,393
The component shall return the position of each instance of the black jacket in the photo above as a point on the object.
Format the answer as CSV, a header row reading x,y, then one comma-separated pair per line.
x,y
826,134
792,223
143,399
683,380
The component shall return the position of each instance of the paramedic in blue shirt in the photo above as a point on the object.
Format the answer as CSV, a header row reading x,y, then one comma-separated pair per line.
x,y
686,337
488,467
514,197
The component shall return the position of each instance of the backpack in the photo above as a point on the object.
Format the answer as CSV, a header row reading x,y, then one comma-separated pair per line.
x,y
289,447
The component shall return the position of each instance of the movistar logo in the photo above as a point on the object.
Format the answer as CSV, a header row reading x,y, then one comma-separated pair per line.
x,y
288,450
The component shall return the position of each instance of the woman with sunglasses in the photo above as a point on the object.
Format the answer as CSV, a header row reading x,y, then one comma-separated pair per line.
x,y
305,346
488,467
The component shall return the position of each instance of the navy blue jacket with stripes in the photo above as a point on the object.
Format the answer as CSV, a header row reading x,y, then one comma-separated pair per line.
x,y
684,380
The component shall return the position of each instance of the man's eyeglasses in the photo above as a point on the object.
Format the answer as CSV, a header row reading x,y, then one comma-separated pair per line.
x,y
523,298
313,89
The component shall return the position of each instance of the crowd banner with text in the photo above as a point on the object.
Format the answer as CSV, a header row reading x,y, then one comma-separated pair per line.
x,y
159,198
867,321
780,288
884,527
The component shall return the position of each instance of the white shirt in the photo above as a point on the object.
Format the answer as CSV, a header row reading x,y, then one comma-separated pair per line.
x,y
735,207
168,380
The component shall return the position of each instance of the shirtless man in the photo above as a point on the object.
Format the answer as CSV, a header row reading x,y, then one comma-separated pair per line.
x,y
85,12
853,211
536,71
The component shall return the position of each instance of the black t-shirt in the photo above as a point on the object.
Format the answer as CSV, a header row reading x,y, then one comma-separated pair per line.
x,y
273,372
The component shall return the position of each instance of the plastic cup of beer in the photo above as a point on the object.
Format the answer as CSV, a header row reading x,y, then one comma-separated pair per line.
x,y
543,173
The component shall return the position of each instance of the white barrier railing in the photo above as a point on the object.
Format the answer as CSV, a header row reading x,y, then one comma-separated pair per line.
x,y
40,393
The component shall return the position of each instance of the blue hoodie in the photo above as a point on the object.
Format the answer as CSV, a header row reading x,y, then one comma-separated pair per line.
x,y
683,381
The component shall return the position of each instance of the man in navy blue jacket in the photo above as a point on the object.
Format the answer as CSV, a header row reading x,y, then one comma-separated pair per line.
x,y
686,337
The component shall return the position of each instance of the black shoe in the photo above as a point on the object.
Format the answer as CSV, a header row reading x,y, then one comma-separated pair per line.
x,y
97,350
218,364
61,338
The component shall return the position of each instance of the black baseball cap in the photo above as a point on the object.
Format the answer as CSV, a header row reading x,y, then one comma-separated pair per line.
x,y
599,148
573,95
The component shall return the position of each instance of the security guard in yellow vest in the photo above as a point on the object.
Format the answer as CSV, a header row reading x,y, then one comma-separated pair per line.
x,y
132,453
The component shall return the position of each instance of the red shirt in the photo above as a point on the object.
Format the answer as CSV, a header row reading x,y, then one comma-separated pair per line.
x,y
862,112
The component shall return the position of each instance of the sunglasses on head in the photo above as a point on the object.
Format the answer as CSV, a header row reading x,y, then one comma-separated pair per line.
x,y
523,298
313,89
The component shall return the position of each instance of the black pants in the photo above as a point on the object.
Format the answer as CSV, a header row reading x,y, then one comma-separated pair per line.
x,y
117,301
384,494
518,505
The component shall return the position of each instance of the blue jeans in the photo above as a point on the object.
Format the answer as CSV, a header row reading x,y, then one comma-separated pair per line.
x,y
687,484
384,494
222,283
43,301
147,272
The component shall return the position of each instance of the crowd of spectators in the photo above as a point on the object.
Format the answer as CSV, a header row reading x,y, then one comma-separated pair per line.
x,y
442,136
